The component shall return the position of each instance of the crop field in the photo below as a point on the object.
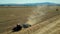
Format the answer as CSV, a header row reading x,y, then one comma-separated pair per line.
x,y
44,19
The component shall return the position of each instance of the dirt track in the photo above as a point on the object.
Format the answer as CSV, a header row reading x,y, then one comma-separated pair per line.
x,y
47,27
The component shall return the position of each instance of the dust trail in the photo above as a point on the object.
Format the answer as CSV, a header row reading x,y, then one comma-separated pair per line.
x,y
36,16
41,13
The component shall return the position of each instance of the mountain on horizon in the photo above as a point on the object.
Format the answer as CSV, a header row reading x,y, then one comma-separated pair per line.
x,y
32,4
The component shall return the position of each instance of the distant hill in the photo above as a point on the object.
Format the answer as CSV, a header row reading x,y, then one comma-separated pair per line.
x,y
32,4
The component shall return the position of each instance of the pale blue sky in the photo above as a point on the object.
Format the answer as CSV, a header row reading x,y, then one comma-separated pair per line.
x,y
27,1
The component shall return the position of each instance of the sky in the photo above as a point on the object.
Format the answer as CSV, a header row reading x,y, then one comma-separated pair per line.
x,y
27,1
